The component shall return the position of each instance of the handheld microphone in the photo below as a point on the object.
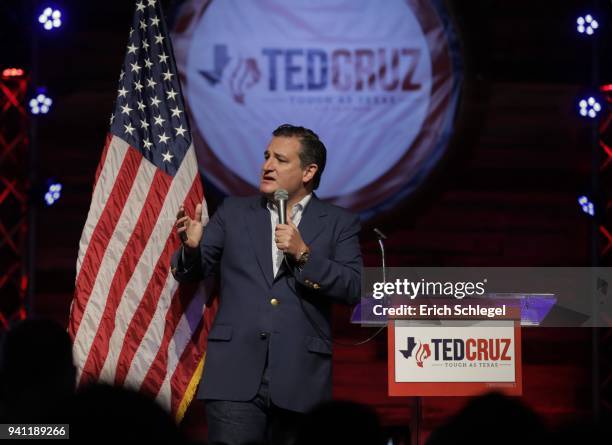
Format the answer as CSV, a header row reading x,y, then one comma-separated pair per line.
x,y
281,196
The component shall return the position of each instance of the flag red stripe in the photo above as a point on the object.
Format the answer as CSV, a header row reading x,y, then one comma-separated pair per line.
x,y
146,309
192,354
101,237
129,260
159,367
109,138
144,313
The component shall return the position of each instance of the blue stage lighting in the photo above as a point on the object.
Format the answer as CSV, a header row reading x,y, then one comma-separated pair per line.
x,y
589,107
40,104
586,205
53,193
586,24
50,18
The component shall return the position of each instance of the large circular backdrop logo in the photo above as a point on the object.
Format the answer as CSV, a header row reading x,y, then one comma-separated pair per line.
x,y
377,81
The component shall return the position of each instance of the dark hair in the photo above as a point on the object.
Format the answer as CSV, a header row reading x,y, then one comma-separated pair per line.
x,y
313,151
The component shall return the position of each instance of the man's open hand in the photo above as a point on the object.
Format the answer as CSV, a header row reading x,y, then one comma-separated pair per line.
x,y
191,228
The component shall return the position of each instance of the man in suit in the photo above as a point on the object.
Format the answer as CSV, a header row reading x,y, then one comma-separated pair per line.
x,y
269,350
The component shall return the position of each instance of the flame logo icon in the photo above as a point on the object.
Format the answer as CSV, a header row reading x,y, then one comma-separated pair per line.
x,y
245,75
422,354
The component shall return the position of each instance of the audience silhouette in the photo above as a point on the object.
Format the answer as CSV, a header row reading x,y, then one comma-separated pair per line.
x,y
37,385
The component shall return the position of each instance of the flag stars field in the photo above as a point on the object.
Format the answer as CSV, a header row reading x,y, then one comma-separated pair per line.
x,y
149,109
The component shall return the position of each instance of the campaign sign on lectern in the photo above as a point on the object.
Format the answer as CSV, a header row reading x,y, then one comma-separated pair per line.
x,y
454,357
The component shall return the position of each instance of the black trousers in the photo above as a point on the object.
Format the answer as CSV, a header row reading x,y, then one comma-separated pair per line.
x,y
257,421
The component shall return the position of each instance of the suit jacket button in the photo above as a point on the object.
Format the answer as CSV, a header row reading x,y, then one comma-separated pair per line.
x,y
263,335
274,302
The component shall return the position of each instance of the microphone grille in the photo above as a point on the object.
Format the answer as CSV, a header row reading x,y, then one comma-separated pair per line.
x,y
281,195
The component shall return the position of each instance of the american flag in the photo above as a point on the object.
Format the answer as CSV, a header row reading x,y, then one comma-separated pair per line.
x,y
131,323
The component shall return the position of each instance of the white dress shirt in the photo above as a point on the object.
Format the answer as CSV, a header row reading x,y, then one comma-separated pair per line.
x,y
296,216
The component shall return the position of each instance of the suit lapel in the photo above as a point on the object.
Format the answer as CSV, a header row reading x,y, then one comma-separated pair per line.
x,y
260,231
312,222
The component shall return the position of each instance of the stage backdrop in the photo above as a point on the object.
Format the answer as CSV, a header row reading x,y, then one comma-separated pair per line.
x,y
379,82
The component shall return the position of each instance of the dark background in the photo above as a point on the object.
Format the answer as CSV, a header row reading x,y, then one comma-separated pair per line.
x,y
505,195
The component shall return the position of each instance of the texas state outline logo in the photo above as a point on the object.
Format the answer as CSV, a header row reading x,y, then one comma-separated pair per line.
x,y
423,351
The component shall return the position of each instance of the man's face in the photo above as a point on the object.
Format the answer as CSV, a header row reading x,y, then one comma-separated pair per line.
x,y
281,168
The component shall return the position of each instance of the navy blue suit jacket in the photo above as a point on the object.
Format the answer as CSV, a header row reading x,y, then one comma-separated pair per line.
x,y
237,243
